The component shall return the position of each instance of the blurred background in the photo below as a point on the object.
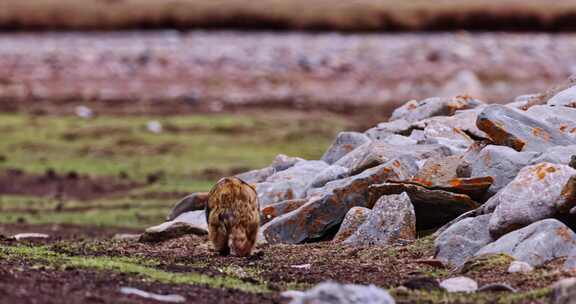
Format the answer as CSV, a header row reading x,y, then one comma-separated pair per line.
x,y
112,110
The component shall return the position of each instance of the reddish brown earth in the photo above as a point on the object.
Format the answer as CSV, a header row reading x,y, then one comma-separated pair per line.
x,y
25,283
175,72
59,232
69,185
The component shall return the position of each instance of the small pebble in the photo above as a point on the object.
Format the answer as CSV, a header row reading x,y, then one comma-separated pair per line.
x,y
459,284
84,112
27,236
518,266
154,126
148,295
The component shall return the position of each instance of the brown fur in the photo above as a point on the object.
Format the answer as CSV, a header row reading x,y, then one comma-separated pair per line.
x,y
233,217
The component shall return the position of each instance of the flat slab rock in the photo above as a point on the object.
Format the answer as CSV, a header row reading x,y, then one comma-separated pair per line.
x,y
271,212
344,143
290,183
565,98
413,111
334,293
462,240
515,129
502,163
535,244
434,208
193,222
314,219
538,192
353,219
391,221
562,118
379,152
193,202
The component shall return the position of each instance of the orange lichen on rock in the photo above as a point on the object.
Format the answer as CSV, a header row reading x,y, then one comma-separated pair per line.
x,y
499,135
541,133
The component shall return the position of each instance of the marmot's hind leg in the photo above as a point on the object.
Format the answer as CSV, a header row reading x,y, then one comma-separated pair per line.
x,y
220,240
244,239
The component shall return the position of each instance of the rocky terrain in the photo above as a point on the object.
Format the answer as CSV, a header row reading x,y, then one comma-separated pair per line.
x,y
467,197
486,184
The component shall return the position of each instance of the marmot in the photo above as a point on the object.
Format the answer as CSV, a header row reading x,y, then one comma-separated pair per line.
x,y
233,216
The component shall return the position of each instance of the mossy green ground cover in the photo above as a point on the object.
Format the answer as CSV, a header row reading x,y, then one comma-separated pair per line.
x,y
189,154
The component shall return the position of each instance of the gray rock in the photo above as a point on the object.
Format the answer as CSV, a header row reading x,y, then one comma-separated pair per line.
x,y
510,127
353,219
462,240
344,143
561,118
273,211
535,244
418,136
193,222
520,267
459,284
334,293
399,140
521,101
290,183
385,129
327,175
538,192
379,152
391,221
501,163
413,111
564,291
434,208
270,193
173,298
349,159
319,215
556,155
256,176
282,162
439,170
566,98
192,202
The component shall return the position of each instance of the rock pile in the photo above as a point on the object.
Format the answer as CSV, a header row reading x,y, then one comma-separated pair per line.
x,y
496,178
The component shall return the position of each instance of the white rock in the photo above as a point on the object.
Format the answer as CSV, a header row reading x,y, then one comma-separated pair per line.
x,y
27,236
303,266
154,126
519,266
84,112
148,295
459,284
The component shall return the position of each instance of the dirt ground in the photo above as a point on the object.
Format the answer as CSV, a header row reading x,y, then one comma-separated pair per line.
x,y
275,267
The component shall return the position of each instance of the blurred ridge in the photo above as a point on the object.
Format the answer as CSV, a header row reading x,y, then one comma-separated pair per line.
x,y
316,15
